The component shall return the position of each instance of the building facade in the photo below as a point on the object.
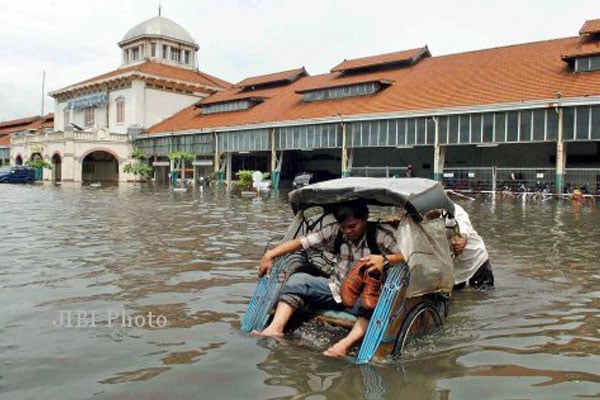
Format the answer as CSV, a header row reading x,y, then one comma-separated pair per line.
x,y
479,119
96,120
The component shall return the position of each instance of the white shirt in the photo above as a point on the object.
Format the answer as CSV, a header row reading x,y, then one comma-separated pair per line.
x,y
474,254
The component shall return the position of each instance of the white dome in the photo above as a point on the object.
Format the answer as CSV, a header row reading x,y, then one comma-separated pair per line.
x,y
159,27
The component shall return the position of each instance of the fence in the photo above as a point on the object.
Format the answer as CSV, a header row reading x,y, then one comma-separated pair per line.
x,y
378,172
491,179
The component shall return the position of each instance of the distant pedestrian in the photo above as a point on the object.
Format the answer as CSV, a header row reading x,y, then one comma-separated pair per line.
x,y
409,171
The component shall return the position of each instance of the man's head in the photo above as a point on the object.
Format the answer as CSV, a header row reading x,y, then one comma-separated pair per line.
x,y
352,218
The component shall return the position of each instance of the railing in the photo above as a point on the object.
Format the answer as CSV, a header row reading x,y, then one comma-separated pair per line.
x,y
530,180
474,179
378,172
96,134
586,179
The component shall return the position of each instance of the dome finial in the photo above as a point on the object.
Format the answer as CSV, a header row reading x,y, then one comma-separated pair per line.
x,y
159,9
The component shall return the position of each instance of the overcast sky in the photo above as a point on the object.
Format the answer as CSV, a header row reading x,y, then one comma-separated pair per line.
x,y
73,40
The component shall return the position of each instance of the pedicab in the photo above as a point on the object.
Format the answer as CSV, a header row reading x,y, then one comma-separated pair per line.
x,y
414,299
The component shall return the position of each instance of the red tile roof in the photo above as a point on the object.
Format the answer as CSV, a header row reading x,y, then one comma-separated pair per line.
x,y
277,77
28,123
342,82
244,96
586,46
35,122
17,122
408,56
590,26
518,73
155,69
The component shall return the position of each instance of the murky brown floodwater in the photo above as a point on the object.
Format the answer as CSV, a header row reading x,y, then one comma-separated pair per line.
x,y
116,260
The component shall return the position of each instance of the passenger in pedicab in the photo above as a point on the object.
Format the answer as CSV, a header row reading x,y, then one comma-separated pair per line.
x,y
350,239
472,265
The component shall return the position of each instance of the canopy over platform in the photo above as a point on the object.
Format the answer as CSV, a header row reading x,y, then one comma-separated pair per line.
x,y
416,195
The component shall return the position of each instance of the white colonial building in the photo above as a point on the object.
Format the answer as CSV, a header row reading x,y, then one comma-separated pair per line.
x,y
95,120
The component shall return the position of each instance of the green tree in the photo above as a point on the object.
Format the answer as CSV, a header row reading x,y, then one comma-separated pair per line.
x,y
179,159
245,180
138,167
38,163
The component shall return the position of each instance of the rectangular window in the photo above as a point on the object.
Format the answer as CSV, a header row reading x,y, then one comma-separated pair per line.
x,y
153,49
410,132
568,123
430,131
402,126
453,129
582,64
464,122
186,57
595,122
421,135
539,118
500,127
488,128
476,128
443,130
175,54
135,54
120,111
359,89
512,133
552,125
595,63
66,117
165,52
583,123
525,126
89,116
374,138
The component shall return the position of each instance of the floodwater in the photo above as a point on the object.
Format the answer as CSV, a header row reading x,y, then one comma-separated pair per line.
x,y
130,293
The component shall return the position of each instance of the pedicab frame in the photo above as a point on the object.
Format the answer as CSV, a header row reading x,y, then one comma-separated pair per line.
x,y
414,296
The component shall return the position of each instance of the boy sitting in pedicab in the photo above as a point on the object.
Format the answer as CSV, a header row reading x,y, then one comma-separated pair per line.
x,y
355,283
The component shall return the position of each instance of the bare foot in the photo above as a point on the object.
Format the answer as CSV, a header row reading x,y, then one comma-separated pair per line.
x,y
267,333
338,350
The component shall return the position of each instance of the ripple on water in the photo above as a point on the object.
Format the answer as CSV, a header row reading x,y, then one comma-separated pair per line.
x,y
192,257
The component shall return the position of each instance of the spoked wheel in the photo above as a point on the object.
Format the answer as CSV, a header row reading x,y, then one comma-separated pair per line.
x,y
422,320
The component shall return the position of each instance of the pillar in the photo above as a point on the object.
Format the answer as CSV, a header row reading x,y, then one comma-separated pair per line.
x,y
561,154
345,171
217,162
275,165
439,154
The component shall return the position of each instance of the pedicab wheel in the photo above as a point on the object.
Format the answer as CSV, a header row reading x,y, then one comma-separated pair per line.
x,y
422,319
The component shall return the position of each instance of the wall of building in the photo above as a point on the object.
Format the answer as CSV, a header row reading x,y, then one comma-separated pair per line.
x,y
162,104
4,155
127,95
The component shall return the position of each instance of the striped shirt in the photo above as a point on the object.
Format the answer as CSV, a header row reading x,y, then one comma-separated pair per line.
x,y
349,252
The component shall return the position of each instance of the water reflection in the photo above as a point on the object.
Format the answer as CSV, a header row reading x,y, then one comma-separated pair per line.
x,y
191,257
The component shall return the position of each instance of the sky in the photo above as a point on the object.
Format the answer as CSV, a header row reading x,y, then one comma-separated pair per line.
x,y
47,45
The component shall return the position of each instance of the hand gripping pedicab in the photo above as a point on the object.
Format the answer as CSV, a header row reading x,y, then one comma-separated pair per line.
x,y
413,300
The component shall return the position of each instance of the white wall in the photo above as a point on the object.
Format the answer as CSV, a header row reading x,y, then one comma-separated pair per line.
x,y
126,94
161,104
